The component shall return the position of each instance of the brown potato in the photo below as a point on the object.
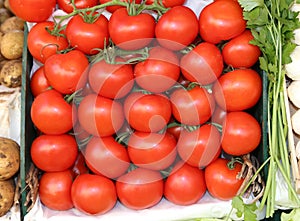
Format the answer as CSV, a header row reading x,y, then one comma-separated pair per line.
x,y
7,193
9,158
11,74
11,45
12,23
4,14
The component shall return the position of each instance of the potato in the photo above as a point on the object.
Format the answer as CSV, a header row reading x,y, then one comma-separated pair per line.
x,y
11,73
7,193
9,158
6,4
11,45
12,23
4,14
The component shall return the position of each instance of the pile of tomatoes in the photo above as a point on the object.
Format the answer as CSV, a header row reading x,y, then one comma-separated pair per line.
x,y
151,101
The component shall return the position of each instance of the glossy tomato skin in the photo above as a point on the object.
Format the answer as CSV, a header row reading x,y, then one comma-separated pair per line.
x,y
204,64
159,72
239,52
100,116
113,8
93,194
88,36
103,151
51,114
219,115
71,66
154,111
140,188
171,25
38,82
221,20
152,150
192,107
221,181
53,153
238,90
131,32
241,133
200,147
79,167
42,44
32,10
168,3
55,190
111,80
185,185
67,7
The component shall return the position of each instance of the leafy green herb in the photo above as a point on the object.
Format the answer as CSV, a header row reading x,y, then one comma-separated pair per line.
x,y
272,24
248,210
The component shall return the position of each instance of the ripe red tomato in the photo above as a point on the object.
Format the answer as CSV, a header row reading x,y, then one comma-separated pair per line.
x,y
192,107
221,20
219,115
168,3
177,28
67,7
93,194
39,82
103,151
88,36
53,153
51,114
153,111
204,64
66,73
140,188
185,185
239,52
241,133
42,43
113,8
79,167
238,90
131,32
100,116
175,130
159,72
221,181
152,150
111,80
199,147
55,190
32,10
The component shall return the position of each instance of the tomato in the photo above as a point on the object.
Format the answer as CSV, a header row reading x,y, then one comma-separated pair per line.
x,y
175,130
140,188
152,150
111,80
103,151
39,82
204,64
42,43
66,73
153,111
168,3
86,35
239,52
79,167
192,107
93,194
32,10
238,90
131,32
159,72
67,7
51,114
221,180
218,115
241,133
221,20
100,116
55,190
113,8
52,153
200,147
177,28
185,185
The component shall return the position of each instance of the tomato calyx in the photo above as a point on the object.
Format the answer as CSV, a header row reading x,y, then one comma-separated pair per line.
x,y
233,161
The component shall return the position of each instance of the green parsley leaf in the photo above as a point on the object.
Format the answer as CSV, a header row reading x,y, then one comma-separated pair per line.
x,y
248,5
